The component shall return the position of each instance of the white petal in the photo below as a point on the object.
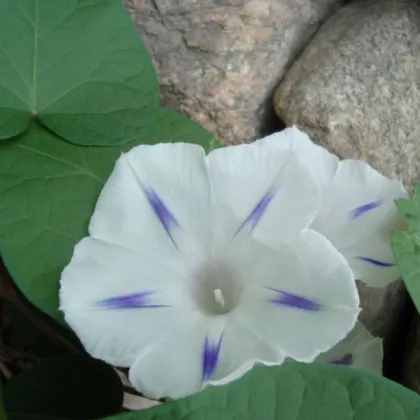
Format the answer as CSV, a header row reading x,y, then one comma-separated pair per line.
x,y
242,349
156,195
359,350
316,159
260,190
357,215
173,366
109,297
304,299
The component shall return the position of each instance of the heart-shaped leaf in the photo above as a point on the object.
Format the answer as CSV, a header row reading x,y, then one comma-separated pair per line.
x,y
406,245
294,391
64,387
171,127
48,191
77,65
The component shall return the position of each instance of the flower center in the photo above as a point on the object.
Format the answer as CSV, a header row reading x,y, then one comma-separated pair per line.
x,y
216,288
218,297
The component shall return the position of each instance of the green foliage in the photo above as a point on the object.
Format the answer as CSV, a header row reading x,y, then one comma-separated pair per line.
x,y
294,392
64,387
406,245
172,127
92,84
48,191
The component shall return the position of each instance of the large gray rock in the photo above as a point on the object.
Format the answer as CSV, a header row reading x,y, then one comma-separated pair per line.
x,y
356,87
220,60
356,90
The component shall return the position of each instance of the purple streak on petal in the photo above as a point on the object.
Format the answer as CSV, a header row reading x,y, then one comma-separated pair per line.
x,y
346,360
210,357
162,212
358,211
131,301
295,301
258,211
342,362
376,262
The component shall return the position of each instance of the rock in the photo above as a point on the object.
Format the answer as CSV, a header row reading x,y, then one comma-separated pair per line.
x,y
386,312
220,60
356,90
382,307
356,87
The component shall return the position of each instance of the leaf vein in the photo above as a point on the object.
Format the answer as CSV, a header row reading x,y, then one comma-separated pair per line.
x,y
30,149
35,54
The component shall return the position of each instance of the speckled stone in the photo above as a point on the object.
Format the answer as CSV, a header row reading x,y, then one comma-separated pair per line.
x,y
356,87
356,90
220,60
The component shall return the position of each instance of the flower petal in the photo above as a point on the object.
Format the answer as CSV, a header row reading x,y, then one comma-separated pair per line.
x,y
178,364
261,191
300,298
357,215
316,159
118,301
358,350
157,197
236,358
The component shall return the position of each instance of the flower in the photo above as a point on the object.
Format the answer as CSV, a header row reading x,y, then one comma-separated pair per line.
x,y
197,267
359,350
357,213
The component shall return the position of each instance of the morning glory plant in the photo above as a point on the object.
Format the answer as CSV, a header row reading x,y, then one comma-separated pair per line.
x,y
357,212
198,267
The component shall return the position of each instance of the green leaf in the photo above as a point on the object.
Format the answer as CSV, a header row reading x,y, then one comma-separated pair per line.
x,y
79,66
64,387
294,391
48,191
409,209
406,245
171,127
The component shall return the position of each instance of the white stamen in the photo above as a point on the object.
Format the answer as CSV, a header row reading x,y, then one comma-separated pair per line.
x,y
218,296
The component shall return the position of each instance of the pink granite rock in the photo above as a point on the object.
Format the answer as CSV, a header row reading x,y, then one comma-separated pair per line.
x,y
356,86
219,60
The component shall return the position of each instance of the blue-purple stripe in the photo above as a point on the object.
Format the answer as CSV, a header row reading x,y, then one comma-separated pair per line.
x,y
165,216
210,359
129,301
378,263
342,362
258,211
295,301
359,211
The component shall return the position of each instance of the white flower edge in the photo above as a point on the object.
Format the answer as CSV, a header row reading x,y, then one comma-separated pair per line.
x,y
357,211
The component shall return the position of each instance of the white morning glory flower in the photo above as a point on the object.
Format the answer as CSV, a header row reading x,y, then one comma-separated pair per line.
x,y
177,282
359,350
357,213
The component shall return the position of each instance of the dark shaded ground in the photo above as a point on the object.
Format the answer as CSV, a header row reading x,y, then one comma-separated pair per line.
x,y
14,355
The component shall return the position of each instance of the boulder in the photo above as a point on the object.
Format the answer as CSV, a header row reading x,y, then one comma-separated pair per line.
x,y
355,90
219,60
356,87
